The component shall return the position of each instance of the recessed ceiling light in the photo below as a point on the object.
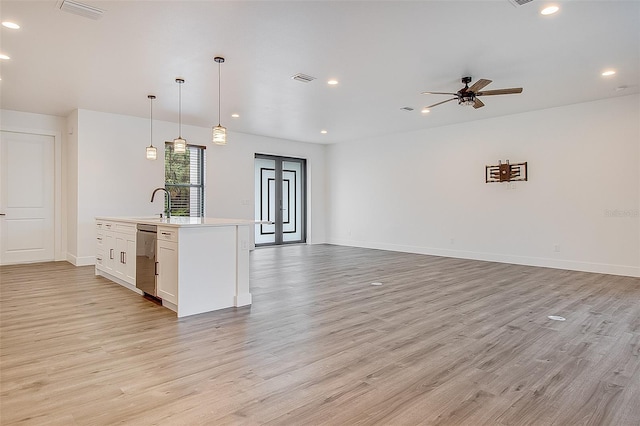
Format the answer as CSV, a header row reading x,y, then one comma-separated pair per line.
x,y
425,110
11,25
332,82
235,115
324,132
608,73
3,56
550,10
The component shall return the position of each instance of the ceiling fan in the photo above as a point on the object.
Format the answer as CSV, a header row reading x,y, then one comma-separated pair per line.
x,y
469,95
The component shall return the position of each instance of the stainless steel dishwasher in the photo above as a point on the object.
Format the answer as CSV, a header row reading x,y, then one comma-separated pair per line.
x,y
146,258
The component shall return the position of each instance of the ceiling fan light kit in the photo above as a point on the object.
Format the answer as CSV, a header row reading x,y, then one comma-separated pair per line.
x,y
469,95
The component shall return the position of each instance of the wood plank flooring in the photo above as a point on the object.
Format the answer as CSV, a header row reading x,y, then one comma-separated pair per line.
x,y
441,342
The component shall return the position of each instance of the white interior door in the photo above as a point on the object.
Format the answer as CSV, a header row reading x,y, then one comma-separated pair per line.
x,y
26,198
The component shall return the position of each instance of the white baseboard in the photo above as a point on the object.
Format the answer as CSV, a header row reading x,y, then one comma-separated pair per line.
x,y
242,299
81,261
571,265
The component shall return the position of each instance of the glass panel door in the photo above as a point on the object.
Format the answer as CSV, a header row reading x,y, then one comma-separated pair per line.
x,y
291,201
280,199
265,200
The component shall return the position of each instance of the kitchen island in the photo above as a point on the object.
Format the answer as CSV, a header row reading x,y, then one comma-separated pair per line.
x,y
201,264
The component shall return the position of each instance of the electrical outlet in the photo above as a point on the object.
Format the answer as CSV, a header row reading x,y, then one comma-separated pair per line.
x,y
556,248
244,245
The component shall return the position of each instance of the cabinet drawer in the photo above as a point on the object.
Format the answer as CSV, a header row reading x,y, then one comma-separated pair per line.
x,y
125,228
100,260
168,234
100,240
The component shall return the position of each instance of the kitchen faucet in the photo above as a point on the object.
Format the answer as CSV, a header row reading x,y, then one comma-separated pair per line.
x,y
167,211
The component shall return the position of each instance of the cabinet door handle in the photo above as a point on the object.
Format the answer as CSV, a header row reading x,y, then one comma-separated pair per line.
x,y
99,259
110,253
155,268
166,233
123,257
99,239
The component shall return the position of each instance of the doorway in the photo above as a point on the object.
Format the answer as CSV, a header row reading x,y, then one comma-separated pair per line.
x,y
280,198
26,197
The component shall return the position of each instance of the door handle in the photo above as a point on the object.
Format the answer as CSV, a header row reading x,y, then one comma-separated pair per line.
x,y
110,253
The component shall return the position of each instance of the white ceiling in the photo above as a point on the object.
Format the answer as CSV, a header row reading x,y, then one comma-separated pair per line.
x,y
384,53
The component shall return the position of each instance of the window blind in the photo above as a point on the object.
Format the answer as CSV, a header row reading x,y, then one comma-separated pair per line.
x,y
184,179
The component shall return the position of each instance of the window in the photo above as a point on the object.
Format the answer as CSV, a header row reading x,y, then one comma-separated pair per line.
x,y
184,179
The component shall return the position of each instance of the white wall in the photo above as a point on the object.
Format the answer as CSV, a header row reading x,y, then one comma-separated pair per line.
x,y
231,179
115,178
71,187
424,191
50,125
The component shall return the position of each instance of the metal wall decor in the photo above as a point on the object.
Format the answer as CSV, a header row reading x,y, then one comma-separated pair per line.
x,y
506,172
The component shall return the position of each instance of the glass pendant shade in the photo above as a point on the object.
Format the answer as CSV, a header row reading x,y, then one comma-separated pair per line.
x,y
152,153
179,145
219,135
219,132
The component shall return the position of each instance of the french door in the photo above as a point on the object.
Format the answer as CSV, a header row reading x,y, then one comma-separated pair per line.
x,y
280,187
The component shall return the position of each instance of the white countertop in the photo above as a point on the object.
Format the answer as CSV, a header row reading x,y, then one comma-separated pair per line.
x,y
181,221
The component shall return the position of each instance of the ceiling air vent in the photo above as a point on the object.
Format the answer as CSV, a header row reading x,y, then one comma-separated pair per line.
x,y
81,9
303,78
407,108
519,2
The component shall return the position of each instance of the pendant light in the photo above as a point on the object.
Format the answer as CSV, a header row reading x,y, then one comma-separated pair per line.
x,y
152,152
179,144
219,132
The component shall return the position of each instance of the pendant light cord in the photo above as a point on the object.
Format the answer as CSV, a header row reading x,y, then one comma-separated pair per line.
x,y
180,109
151,121
219,94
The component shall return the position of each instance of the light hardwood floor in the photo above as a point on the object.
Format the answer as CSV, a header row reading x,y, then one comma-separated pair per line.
x,y
442,341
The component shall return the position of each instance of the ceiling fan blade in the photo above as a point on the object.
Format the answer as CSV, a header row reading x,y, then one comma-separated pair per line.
x,y
439,103
478,104
478,85
437,93
500,91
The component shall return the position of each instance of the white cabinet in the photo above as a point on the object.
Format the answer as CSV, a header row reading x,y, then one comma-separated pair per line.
x,y
202,264
110,251
168,271
116,250
125,265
